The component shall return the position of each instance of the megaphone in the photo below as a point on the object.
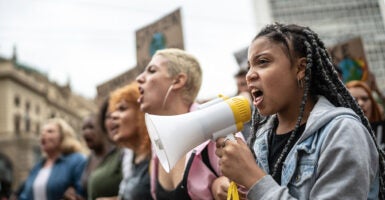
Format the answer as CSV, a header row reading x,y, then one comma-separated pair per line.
x,y
173,136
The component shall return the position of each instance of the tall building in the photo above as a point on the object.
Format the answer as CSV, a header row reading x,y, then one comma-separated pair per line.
x,y
28,98
336,21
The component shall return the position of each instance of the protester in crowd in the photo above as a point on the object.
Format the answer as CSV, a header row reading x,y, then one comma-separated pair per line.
x,y
5,189
363,95
61,166
243,90
240,78
311,140
169,86
103,172
129,130
105,120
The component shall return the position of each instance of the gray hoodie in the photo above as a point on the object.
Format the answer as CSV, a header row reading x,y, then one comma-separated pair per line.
x,y
335,158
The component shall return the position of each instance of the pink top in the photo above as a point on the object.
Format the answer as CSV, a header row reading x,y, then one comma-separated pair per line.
x,y
200,177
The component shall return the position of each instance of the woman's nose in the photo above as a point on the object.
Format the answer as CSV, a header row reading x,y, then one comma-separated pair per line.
x,y
251,76
139,78
360,103
114,115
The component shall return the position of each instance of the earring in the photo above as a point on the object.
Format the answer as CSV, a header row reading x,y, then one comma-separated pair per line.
x,y
300,83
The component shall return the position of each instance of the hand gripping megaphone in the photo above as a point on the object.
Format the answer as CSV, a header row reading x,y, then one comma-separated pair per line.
x,y
173,136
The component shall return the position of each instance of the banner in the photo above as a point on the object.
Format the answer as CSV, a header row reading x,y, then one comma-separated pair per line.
x,y
349,56
164,33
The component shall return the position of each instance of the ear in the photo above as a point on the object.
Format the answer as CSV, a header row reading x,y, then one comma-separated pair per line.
x,y
179,81
301,67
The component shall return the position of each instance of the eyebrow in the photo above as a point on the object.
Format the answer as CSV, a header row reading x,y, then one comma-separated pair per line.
x,y
254,57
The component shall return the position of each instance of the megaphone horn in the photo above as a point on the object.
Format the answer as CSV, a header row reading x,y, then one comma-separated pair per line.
x,y
173,136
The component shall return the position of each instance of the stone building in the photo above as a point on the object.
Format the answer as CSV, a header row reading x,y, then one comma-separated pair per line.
x,y
28,98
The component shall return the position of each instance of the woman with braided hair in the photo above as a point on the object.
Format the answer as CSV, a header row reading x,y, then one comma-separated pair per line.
x,y
309,138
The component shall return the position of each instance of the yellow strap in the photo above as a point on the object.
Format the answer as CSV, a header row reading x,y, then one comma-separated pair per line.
x,y
232,192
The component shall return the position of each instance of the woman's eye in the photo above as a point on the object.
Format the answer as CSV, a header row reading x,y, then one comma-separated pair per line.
x,y
122,108
151,69
262,61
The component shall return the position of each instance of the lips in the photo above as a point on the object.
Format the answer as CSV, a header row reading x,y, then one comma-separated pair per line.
x,y
140,99
257,96
114,129
88,139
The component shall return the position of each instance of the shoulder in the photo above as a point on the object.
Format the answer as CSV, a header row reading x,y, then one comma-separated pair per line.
x,y
75,157
347,132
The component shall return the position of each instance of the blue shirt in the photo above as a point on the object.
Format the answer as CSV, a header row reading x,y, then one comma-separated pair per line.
x,y
66,172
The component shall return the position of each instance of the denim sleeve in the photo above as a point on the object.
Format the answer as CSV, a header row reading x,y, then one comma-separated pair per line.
x,y
346,169
348,163
78,163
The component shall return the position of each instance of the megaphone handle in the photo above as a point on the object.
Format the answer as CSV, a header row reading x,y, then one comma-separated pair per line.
x,y
232,191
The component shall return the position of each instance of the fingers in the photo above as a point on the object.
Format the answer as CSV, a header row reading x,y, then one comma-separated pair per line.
x,y
219,142
219,188
224,142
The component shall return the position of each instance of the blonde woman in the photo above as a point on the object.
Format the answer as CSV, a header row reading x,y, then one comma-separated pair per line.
x,y
168,86
61,166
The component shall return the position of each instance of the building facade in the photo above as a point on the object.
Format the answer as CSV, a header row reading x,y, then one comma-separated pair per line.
x,y
339,20
28,98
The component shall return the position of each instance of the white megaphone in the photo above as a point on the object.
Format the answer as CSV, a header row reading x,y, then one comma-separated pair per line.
x,y
173,136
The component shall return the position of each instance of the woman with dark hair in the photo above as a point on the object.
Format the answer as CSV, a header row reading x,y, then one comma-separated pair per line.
x,y
310,139
103,171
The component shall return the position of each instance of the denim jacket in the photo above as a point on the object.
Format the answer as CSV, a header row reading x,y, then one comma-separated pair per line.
x,y
65,172
334,158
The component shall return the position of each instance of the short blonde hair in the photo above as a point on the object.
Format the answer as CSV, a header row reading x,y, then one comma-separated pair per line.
x,y
69,141
180,61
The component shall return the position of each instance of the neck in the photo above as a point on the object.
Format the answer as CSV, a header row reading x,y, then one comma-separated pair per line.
x,y
51,158
175,106
140,156
288,120
102,149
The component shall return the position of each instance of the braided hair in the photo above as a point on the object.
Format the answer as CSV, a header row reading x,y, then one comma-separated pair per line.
x,y
321,78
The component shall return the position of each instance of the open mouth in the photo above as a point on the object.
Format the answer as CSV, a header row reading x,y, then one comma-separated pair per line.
x,y
114,129
257,96
141,91
87,139
257,93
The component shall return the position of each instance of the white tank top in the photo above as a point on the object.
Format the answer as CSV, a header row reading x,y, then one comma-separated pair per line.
x,y
40,184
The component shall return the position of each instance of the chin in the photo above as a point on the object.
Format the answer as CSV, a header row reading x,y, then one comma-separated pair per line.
x,y
143,107
263,112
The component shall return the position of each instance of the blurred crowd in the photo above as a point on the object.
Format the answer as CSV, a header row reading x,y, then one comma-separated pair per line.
x,y
118,161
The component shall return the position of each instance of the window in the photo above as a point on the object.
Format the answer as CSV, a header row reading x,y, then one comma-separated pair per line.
x,y
27,106
37,109
17,101
17,121
27,121
37,128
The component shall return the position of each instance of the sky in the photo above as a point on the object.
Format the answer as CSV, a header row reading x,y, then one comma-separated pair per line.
x,y
88,42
